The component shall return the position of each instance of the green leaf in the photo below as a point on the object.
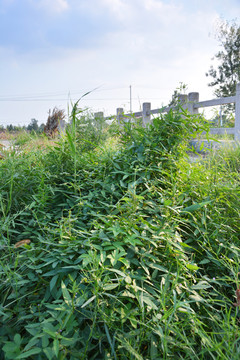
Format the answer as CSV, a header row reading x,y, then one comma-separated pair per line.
x,y
149,302
29,353
53,282
17,339
31,343
158,267
88,301
110,286
196,206
192,267
110,341
154,348
197,298
204,261
49,353
201,285
119,272
33,329
71,143
133,240
45,341
125,344
66,295
56,347
51,333
128,279
185,308
10,347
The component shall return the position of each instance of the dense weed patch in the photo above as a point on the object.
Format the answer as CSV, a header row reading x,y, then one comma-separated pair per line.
x,y
133,250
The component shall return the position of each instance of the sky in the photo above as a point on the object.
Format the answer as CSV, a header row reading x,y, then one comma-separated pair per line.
x,y
52,52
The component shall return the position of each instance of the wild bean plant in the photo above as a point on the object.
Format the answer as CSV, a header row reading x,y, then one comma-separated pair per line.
x,y
132,251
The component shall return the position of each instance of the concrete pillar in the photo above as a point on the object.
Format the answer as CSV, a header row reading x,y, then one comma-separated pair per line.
x,y
193,98
237,114
146,114
98,115
119,115
182,100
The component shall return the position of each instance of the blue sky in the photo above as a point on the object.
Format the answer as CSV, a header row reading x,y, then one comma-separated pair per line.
x,y
55,50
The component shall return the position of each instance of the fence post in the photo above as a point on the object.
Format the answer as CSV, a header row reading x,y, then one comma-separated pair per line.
x,y
119,115
98,119
146,114
98,115
237,114
182,100
193,98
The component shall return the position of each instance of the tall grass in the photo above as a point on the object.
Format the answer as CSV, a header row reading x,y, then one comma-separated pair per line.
x,y
133,250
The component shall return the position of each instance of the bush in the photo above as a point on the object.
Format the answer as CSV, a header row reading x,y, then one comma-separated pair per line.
x,y
131,254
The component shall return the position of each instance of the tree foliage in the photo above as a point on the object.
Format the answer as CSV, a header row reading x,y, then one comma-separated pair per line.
x,y
180,90
33,125
227,74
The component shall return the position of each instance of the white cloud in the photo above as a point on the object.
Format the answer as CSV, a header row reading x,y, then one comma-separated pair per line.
x,y
54,6
157,5
121,9
115,5
150,44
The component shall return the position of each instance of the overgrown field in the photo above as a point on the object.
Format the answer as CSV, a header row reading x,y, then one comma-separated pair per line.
x,y
131,250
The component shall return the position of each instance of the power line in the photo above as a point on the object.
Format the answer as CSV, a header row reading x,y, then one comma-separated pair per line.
x,y
44,94
59,93
73,99
67,99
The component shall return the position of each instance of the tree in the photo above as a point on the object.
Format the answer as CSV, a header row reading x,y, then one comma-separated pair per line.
x,y
10,128
33,125
41,128
227,74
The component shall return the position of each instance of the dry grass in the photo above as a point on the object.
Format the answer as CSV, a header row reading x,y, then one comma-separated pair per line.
x,y
5,135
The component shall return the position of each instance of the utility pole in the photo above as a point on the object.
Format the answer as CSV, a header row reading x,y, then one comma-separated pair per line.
x,y
130,98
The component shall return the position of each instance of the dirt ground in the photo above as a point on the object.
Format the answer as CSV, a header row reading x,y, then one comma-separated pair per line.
x,y
4,144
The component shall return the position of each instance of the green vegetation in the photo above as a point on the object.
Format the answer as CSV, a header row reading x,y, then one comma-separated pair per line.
x,y
227,74
131,251
31,127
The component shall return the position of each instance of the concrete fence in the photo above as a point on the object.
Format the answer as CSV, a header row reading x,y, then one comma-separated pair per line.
x,y
192,104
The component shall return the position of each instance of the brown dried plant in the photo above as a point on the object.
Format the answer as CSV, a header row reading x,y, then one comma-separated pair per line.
x,y
51,128
22,242
238,297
